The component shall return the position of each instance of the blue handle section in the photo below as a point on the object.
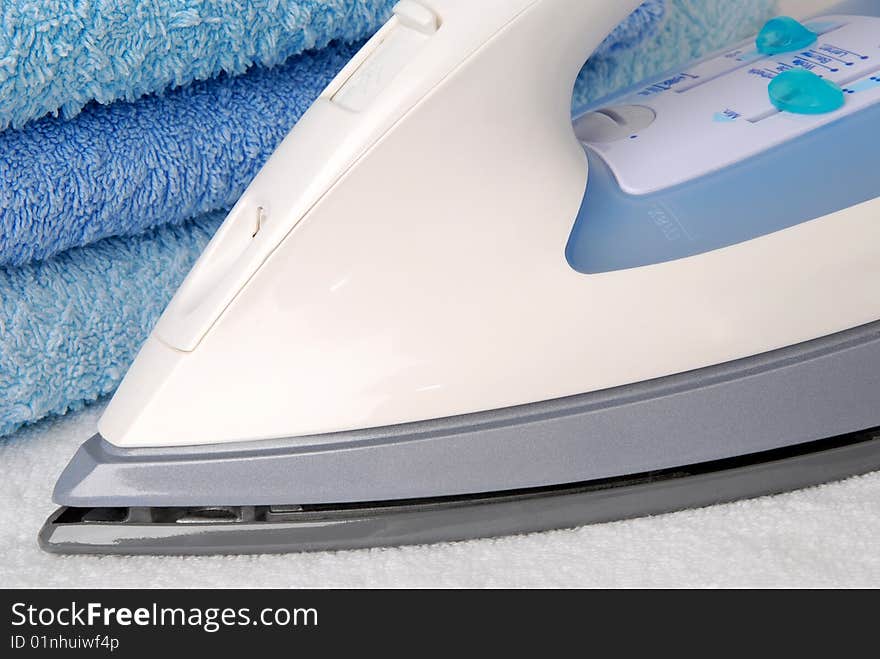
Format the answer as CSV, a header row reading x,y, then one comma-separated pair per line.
x,y
826,170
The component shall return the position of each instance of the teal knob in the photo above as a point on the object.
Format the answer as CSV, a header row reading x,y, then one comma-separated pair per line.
x,y
803,92
783,35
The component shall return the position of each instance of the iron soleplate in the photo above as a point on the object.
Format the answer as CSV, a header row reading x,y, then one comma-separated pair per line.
x,y
276,529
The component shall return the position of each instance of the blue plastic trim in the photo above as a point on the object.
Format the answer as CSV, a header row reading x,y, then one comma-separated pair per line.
x,y
829,169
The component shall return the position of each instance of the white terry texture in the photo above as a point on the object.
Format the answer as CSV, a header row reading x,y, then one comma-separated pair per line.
x,y
825,536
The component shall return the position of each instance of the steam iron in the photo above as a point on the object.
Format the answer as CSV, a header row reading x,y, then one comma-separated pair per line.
x,y
423,321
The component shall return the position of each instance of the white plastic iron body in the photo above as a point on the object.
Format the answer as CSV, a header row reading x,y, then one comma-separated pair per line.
x,y
416,325
401,255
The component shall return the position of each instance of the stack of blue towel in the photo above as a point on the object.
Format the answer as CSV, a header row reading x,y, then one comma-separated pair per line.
x,y
127,130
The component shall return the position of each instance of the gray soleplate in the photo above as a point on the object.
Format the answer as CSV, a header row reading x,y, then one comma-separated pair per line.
x,y
283,529
642,449
823,388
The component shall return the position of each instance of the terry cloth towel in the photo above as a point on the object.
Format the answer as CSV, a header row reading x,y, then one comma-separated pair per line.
x,y
70,326
122,168
119,169
57,55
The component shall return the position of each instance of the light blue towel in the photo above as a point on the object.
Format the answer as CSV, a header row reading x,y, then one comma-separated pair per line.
x,y
57,55
70,326
122,168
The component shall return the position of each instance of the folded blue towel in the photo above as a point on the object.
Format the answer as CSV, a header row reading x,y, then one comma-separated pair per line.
x,y
57,55
70,326
122,168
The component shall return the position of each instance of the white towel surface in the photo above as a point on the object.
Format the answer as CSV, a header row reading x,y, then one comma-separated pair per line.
x,y
823,536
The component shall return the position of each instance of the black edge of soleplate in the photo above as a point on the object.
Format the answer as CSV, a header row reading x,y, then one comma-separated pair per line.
x,y
360,526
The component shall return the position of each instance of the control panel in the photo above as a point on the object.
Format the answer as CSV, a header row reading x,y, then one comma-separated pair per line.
x,y
790,80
